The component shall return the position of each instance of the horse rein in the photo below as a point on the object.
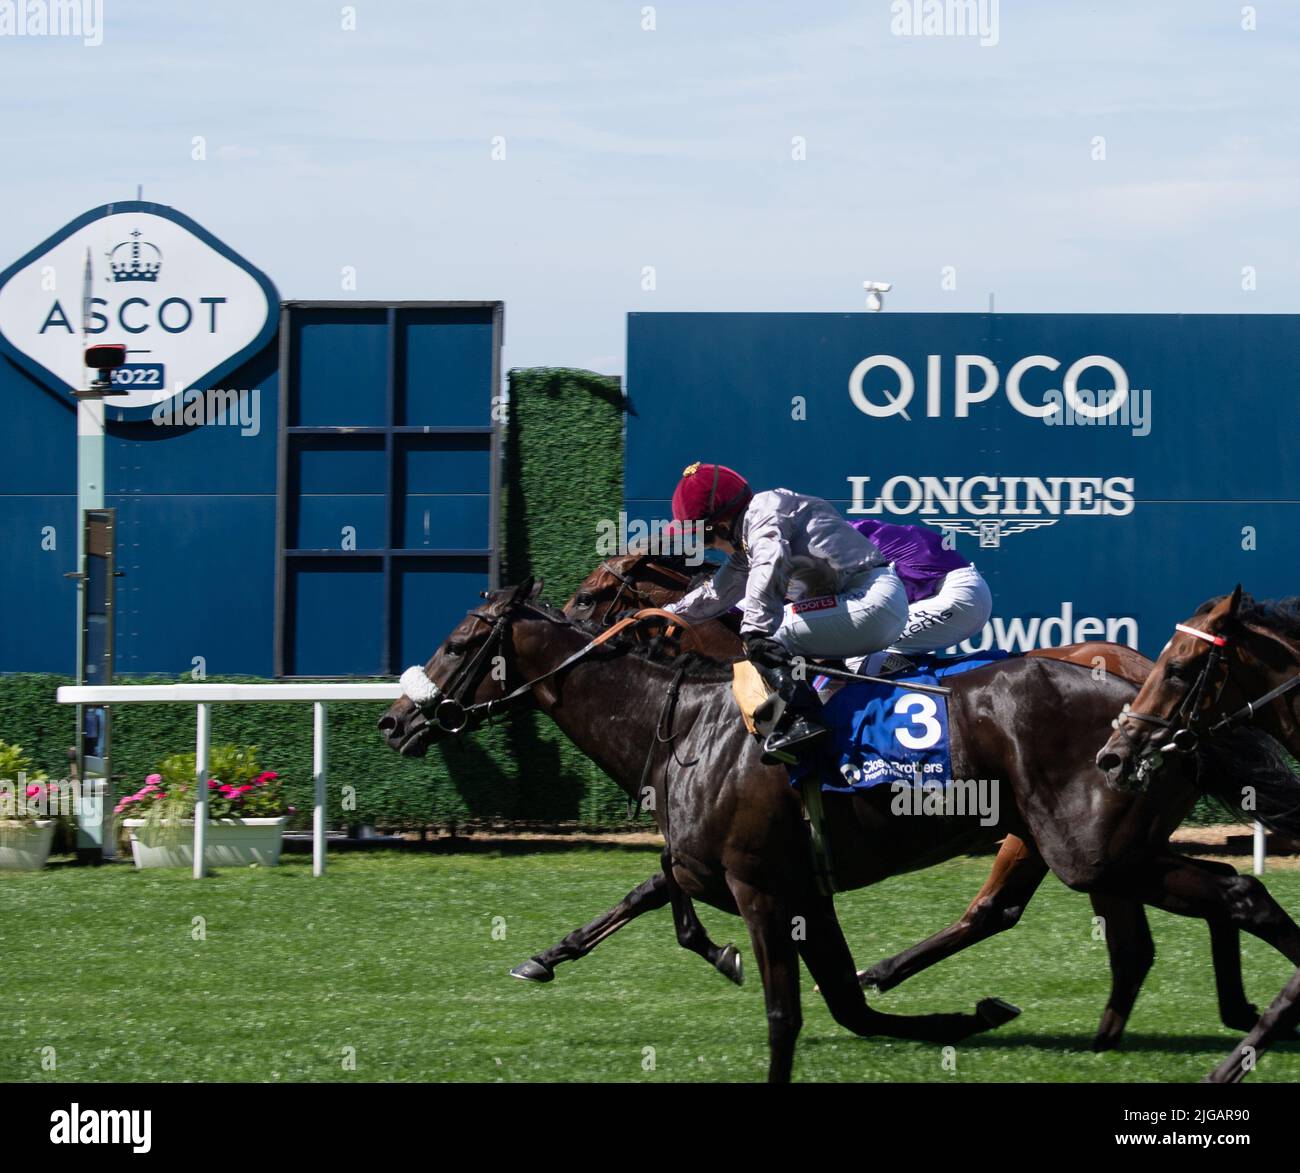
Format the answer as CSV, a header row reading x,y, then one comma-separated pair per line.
x,y
445,705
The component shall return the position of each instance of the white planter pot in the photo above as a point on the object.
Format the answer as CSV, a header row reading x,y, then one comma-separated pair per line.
x,y
24,847
230,843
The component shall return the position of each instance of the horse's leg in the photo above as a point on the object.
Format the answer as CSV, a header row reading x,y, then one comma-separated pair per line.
x,y
1228,902
827,956
1235,1009
645,897
1174,884
1132,952
1017,872
771,934
1279,1020
692,935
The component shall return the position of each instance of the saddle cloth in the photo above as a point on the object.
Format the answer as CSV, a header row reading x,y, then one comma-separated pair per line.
x,y
886,733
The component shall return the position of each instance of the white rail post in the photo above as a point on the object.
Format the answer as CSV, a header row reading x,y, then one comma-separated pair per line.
x,y
1259,848
318,762
202,744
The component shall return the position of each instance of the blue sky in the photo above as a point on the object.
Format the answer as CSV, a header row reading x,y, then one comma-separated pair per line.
x,y
672,148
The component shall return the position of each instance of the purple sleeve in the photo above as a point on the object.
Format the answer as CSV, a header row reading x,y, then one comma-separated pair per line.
x,y
917,553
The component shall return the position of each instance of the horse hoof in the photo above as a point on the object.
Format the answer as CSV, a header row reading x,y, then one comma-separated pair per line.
x,y
533,970
1242,1021
868,979
1105,1043
729,964
995,1012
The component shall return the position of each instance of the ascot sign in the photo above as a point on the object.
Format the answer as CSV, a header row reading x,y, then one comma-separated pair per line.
x,y
189,310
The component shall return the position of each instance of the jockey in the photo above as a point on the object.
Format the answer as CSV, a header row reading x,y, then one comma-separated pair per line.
x,y
947,598
847,599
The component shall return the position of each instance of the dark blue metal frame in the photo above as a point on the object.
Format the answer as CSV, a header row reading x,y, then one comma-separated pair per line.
x,y
391,552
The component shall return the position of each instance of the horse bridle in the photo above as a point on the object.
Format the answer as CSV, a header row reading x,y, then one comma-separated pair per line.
x,y
1184,724
626,583
445,705
1185,738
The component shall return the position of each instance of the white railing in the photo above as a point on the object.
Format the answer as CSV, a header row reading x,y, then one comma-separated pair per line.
x,y
203,696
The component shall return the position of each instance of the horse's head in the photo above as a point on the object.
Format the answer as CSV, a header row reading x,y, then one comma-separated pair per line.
x,y
628,582
467,669
1184,687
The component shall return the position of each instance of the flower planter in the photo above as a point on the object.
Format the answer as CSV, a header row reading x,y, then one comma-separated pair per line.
x,y
230,842
24,847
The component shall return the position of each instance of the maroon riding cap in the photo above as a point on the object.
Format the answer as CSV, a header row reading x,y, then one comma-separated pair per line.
x,y
710,492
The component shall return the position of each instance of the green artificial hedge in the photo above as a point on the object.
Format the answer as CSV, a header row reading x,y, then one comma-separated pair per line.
x,y
563,473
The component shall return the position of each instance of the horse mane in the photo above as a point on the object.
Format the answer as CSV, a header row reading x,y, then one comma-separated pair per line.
x,y
673,562
660,652
1279,615
694,666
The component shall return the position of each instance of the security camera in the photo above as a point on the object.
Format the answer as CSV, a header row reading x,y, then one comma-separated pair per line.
x,y
874,289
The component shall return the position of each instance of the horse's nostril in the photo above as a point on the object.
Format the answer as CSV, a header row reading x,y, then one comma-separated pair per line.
x,y
387,724
1108,761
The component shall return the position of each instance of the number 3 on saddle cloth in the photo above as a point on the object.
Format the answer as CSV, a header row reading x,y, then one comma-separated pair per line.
x,y
884,733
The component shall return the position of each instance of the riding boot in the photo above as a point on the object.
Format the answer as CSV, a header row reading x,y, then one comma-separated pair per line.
x,y
794,731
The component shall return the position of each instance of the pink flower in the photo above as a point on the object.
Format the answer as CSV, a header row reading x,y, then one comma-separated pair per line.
x,y
227,789
33,791
213,784
270,775
153,779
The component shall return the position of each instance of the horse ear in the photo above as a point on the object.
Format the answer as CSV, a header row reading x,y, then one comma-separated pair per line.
x,y
1235,602
523,591
536,592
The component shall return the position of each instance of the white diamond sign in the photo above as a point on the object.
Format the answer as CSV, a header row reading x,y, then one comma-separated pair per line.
x,y
189,310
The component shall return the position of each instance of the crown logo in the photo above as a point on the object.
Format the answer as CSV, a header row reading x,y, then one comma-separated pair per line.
x,y
129,261
691,469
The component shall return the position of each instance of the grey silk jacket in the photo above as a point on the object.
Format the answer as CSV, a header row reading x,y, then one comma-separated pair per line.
x,y
788,544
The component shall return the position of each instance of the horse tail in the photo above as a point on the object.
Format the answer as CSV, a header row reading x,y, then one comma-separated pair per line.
x,y
1251,777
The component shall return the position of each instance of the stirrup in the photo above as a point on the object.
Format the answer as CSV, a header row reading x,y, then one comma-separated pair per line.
x,y
788,746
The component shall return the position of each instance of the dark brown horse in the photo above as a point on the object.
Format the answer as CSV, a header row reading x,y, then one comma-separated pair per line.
x,y
1234,662
733,829
1017,871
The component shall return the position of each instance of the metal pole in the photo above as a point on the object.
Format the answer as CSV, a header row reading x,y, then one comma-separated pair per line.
x,y
1259,848
202,742
318,761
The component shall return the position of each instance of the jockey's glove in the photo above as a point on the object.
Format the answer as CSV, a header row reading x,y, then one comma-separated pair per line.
x,y
765,652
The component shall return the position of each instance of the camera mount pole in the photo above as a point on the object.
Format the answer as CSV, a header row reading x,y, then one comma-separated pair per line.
x,y
94,578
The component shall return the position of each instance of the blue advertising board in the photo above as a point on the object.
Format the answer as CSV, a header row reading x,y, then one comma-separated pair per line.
x,y
1106,473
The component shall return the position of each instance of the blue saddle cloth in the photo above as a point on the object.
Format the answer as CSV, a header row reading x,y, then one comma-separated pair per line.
x,y
886,733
